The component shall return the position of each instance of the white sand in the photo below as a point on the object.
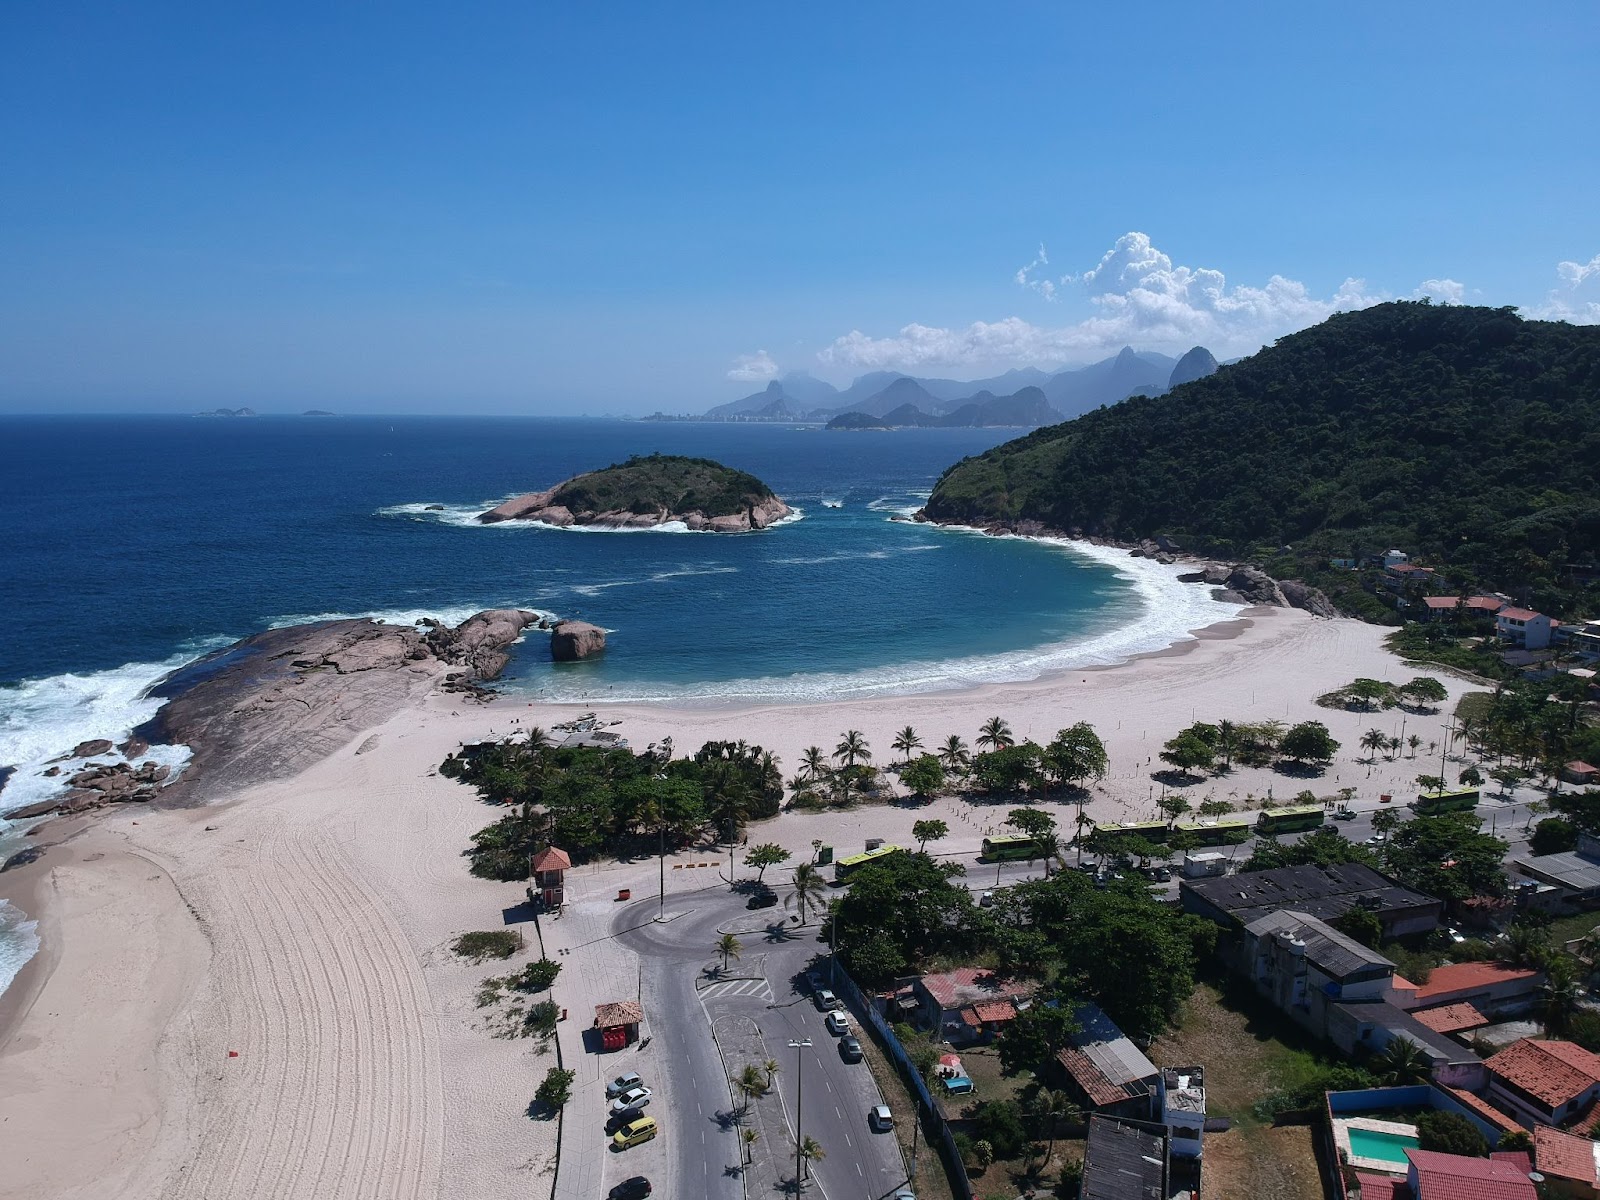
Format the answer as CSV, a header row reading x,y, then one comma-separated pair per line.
x,y
308,932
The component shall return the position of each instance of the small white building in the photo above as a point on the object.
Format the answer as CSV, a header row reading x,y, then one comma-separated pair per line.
x,y
1393,558
1523,627
1182,1096
1199,863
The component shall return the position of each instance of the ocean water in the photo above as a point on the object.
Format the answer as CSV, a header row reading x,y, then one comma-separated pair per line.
x,y
137,543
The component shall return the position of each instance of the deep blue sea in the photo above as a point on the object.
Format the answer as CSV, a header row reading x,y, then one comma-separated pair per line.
x,y
136,543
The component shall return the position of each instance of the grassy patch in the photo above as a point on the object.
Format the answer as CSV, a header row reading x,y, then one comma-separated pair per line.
x,y
493,943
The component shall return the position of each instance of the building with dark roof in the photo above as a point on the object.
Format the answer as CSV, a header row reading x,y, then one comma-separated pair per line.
x,y
1105,1068
1124,1161
1234,901
1371,1025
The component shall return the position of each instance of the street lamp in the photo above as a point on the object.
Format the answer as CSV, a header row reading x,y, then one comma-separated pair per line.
x,y
797,1045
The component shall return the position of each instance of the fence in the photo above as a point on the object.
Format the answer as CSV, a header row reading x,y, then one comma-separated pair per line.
x,y
935,1126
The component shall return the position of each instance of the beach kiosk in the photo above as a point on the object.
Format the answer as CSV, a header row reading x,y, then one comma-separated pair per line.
x,y
618,1023
549,867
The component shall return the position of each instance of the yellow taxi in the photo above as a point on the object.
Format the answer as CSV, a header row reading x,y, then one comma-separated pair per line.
x,y
640,1130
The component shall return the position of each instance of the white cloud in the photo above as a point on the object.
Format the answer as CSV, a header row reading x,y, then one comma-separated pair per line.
x,y
1440,291
1142,298
753,368
1564,303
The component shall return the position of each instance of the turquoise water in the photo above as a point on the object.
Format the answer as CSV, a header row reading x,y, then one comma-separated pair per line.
x,y
1381,1147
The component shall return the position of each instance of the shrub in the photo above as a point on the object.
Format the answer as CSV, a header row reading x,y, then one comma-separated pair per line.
x,y
541,1019
1450,1133
999,1122
556,1089
493,943
537,976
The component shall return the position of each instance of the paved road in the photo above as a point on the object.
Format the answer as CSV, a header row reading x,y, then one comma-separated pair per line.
x,y
762,997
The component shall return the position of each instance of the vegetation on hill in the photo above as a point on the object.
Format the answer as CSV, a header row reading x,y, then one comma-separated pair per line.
x,y
649,483
1467,436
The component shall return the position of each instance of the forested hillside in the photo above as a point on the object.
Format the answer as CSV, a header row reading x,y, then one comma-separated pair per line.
x,y
1464,435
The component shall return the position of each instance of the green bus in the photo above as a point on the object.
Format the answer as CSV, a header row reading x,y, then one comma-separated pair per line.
x,y
1112,831
1460,800
996,849
1228,831
1288,820
851,863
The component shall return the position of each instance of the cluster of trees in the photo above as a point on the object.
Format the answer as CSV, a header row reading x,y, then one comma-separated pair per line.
x,y
1371,695
587,800
1001,765
649,483
1529,727
1466,434
1112,944
1208,747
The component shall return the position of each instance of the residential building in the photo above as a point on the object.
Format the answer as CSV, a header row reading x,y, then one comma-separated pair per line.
x,y
1436,1176
968,1004
1570,1164
1124,1161
1484,607
1458,1019
1544,1082
1440,608
1181,1092
1492,988
1105,1069
1575,874
1394,558
1371,1025
1522,627
1292,957
1326,893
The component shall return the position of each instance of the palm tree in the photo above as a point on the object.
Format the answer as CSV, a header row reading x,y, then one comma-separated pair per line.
x,y
535,738
749,1137
1048,1108
1401,1063
1414,742
728,946
954,755
1374,740
1563,993
811,1150
771,1068
995,734
906,741
808,889
1394,748
749,1084
852,748
1227,735
813,762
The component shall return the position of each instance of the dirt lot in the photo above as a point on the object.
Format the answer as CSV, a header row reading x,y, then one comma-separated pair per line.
x,y
1244,1059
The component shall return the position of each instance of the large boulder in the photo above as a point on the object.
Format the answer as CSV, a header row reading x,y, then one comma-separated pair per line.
x,y
1313,600
1256,586
91,748
572,640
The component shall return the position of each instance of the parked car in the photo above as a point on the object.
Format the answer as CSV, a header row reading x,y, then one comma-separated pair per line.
x,y
903,1194
850,1048
880,1118
986,900
814,980
623,1083
826,1001
838,1022
632,1098
634,1132
762,898
1344,814
636,1188
1377,839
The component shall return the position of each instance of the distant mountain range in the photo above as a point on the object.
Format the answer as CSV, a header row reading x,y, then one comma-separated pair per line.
x,y
1022,396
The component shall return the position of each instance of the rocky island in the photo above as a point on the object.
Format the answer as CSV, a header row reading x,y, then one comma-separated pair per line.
x,y
648,491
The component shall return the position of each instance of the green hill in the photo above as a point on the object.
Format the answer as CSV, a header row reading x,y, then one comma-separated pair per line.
x,y
663,481
1465,436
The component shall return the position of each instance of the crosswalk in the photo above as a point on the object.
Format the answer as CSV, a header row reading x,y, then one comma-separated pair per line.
x,y
727,988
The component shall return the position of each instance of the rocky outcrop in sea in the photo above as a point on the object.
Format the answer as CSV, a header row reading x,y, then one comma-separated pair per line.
x,y
537,506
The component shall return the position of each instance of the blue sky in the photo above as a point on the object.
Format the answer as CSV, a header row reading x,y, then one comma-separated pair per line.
x,y
583,208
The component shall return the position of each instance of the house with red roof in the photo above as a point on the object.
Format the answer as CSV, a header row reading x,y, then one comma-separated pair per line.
x,y
1581,773
1544,1082
968,1004
1482,606
1452,1018
1569,1163
1523,627
1440,608
1105,1069
1492,988
1436,1176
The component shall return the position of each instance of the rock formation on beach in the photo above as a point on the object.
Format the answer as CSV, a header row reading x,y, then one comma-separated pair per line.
x,y
648,491
572,640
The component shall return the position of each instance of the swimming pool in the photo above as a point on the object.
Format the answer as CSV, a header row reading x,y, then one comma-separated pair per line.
x,y
1381,1145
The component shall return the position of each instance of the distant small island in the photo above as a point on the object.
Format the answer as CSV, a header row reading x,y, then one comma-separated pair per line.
x,y
227,412
317,412
648,491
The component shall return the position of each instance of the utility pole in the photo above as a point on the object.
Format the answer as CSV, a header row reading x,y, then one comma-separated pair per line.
x,y
799,1103
661,860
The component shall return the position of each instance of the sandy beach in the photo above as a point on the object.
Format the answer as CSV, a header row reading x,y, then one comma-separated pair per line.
x,y
256,998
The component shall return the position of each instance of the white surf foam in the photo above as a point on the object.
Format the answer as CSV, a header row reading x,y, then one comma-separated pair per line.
x,y
41,719
19,941
465,516
594,589
452,614
1168,612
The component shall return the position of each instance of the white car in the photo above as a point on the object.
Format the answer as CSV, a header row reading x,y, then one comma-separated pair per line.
x,y
826,1000
880,1118
838,1023
623,1083
986,900
631,1099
